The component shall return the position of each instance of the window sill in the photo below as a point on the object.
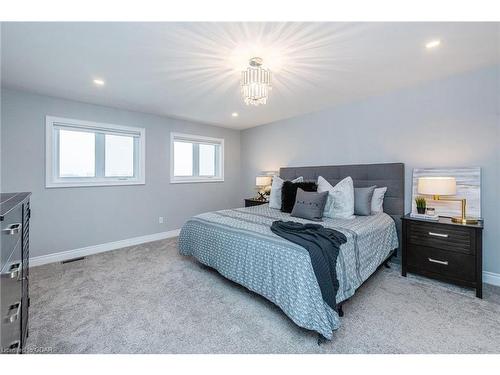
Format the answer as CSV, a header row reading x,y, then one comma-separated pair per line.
x,y
53,185
195,181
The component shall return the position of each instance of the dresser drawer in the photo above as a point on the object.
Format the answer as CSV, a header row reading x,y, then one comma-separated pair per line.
x,y
11,279
449,264
10,306
11,327
445,237
10,234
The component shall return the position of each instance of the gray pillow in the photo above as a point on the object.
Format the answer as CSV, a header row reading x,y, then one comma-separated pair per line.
x,y
309,205
363,200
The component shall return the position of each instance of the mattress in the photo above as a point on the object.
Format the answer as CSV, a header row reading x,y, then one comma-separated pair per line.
x,y
239,244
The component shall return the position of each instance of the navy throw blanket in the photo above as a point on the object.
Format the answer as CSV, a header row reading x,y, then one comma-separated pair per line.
x,y
323,245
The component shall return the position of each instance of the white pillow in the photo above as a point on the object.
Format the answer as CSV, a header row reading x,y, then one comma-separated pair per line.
x,y
275,196
340,202
378,200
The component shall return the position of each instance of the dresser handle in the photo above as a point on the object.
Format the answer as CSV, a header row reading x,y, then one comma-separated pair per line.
x,y
438,235
443,262
13,317
13,229
15,271
14,348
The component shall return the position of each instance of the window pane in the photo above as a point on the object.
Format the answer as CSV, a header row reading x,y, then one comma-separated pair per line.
x,y
183,159
119,156
76,154
207,160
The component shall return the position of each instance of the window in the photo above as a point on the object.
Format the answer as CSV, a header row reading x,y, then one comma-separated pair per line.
x,y
83,153
196,159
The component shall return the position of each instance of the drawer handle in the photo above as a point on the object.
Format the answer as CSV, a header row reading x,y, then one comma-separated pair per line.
x,y
13,229
443,262
15,271
15,316
14,348
438,234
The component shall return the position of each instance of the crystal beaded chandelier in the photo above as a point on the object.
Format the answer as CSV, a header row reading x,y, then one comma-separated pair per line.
x,y
255,83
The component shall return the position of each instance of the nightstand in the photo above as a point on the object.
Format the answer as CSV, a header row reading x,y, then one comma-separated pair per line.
x,y
444,250
249,202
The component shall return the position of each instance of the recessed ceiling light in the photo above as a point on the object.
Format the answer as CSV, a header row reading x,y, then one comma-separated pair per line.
x,y
99,82
234,114
433,44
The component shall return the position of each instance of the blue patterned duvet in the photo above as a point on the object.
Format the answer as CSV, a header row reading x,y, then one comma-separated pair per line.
x,y
239,244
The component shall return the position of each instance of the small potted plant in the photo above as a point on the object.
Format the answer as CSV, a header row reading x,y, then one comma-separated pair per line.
x,y
420,202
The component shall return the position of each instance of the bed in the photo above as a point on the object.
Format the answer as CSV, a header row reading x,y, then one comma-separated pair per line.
x,y
239,244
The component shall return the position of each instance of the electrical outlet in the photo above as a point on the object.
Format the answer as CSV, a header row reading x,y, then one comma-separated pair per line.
x,y
160,220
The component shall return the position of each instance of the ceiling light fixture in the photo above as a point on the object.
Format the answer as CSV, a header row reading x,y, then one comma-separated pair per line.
x,y
255,83
433,44
99,82
234,114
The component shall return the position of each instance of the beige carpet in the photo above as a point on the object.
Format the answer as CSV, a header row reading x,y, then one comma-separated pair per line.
x,y
149,299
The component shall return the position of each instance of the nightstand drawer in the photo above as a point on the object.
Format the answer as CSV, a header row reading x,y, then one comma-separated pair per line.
x,y
445,263
445,237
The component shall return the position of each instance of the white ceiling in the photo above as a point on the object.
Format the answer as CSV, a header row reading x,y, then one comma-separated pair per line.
x,y
192,70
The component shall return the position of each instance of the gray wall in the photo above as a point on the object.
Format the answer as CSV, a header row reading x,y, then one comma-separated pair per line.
x,y
452,122
69,218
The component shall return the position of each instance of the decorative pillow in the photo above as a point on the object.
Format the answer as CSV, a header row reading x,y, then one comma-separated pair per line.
x,y
340,202
378,200
363,200
309,205
275,197
289,193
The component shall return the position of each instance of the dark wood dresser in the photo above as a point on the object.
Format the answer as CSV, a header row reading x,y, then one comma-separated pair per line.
x,y
14,298
444,250
249,202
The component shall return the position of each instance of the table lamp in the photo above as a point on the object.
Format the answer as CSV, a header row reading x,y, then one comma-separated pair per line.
x,y
262,183
438,186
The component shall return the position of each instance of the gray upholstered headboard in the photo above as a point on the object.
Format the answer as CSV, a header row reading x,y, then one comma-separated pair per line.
x,y
391,175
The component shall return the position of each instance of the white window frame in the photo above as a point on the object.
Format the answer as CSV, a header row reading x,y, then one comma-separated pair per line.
x,y
52,180
196,139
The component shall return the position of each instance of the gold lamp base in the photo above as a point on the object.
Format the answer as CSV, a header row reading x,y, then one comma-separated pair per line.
x,y
466,220
459,219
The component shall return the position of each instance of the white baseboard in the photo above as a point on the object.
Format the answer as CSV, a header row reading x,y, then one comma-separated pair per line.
x,y
101,248
491,278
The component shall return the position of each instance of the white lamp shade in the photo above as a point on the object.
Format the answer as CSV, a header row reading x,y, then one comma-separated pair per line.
x,y
263,180
437,186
